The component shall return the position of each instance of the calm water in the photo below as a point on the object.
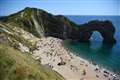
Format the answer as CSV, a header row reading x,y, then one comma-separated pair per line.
x,y
107,56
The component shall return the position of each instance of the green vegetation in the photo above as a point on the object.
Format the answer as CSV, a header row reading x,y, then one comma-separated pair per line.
x,y
23,19
66,21
15,65
40,23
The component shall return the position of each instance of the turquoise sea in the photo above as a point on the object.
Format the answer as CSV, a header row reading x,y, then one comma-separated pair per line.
x,y
105,55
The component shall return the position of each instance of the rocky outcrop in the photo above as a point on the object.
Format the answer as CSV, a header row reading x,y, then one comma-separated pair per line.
x,y
105,28
42,24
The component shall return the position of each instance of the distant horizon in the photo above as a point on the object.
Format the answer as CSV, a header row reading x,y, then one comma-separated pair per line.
x,y
64,7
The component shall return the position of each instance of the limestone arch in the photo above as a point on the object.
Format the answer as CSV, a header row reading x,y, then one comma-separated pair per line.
x,y
105,28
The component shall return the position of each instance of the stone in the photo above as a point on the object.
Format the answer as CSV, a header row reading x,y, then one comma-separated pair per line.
x,y
105,28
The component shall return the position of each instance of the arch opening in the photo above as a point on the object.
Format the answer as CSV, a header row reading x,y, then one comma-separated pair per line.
x,y
96,36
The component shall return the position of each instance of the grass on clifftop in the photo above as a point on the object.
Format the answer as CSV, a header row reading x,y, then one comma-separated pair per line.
x,y
15,65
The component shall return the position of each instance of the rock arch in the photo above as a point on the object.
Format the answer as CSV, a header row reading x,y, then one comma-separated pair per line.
x,y
105,28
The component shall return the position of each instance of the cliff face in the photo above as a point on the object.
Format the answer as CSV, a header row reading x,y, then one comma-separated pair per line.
x,y
36,21
33,20
41,24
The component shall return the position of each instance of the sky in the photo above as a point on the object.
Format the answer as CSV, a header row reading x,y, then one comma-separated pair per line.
x,y
64,7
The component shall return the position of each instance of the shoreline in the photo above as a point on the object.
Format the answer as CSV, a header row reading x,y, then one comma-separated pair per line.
x,y
101,68
52,54
93,63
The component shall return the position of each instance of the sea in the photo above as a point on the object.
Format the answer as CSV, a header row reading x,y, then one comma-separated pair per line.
x,y
104,55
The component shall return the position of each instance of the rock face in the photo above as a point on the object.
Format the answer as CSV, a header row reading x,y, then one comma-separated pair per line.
x,y
41,24
105,28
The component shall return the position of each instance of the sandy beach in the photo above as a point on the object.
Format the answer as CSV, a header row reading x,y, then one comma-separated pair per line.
x,y
52,54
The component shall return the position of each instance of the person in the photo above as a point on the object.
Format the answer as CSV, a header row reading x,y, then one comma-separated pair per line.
x,y
84,72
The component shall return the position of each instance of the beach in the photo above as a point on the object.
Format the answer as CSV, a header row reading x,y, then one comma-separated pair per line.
x,y
52,54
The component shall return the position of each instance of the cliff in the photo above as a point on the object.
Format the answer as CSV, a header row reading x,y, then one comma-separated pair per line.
x,y
42,24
